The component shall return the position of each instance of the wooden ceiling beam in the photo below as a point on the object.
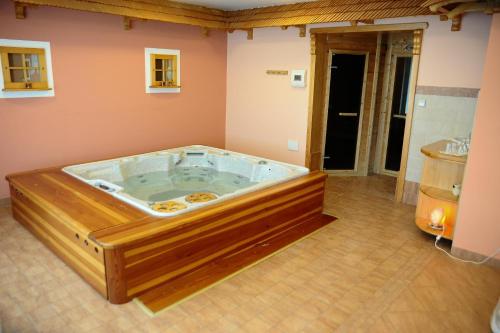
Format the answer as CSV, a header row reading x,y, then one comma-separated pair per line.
x,y
473,7
438,5
299,14
157,10
324,11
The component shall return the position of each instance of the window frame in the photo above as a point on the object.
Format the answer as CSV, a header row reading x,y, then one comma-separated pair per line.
x,y
163,83
45,90
155,86
10,85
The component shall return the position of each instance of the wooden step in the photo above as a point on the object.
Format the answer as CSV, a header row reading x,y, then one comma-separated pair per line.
x,y
179,289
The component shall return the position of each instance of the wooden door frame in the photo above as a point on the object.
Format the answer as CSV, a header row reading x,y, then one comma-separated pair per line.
x,y
388,113
361,108
317,91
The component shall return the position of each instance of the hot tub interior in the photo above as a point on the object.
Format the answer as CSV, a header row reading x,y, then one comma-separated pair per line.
x,y
182,178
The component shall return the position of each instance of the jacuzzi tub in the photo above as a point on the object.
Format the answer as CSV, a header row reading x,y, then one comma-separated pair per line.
x,y
175,181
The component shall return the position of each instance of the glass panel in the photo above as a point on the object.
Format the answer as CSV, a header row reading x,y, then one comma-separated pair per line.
x,y
158,63
33,75
170,75
17,75
169,64
158,76
31,60
15,60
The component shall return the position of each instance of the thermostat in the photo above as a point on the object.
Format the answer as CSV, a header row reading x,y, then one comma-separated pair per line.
x,y
298,78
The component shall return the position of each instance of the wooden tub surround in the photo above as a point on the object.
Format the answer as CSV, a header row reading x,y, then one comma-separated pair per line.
x,y
124,252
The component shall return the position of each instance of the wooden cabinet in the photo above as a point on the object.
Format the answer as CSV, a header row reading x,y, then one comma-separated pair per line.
x,y
440,173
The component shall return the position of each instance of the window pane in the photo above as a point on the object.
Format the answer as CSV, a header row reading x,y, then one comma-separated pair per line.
x,y
170,75
17,75
158,76
158,63
33,75
31,60
15,60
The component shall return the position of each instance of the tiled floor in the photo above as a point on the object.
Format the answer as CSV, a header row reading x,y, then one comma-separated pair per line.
x,y
370,271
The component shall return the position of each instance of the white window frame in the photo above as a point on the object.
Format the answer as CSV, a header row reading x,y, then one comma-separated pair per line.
x,y
148,52
48,62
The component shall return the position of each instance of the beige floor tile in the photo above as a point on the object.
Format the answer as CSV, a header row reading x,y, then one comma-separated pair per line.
x,y
371,270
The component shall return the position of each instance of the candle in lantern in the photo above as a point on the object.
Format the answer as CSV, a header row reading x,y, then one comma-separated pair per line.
x,y
437,218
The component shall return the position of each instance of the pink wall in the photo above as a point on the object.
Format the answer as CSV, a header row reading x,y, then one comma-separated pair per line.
x,y
454,59
100,108
264,111
478,225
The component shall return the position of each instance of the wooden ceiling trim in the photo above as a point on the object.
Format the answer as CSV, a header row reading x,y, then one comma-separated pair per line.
x,y
170,12
371,28
327,18
325,11
456,9
298,14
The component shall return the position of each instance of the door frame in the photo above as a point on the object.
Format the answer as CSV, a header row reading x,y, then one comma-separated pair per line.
x,y
317,91
361,109
388,113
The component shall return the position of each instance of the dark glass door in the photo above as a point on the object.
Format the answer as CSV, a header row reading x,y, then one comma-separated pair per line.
x,y
346,90
397,121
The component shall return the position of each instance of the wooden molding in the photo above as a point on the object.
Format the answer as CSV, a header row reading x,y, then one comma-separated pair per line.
x,y
127,23
456,23
249,34
302,30
417,41
355,23
156,10
324,11
299,14
435,7
20,10
368,28
205,31
455,9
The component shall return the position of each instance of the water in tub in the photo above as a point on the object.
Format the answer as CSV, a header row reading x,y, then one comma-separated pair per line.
x,y
181,181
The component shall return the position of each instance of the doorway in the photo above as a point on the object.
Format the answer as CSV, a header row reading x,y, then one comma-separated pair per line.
x,y
346,82
319,111
396,119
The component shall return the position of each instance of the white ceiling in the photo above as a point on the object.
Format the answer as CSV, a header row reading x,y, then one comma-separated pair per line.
x,y
239,4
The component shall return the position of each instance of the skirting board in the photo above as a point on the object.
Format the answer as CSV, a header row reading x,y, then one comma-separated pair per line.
x,y
410,193
5,202
473,256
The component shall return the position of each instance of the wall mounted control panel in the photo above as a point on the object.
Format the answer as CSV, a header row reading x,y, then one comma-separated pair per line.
x,y
298,78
